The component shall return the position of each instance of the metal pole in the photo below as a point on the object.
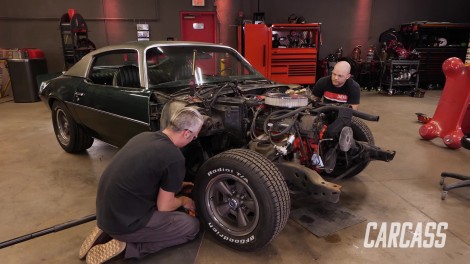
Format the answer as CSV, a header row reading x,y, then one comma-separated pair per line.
x,y
46,231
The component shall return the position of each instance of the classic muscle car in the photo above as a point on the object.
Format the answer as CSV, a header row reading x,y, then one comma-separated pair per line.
x,y
259,138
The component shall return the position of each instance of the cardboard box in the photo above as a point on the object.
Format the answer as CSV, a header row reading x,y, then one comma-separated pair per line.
x,y
11,54
5,84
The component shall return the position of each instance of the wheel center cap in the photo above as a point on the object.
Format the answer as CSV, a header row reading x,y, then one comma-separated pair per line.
x,y
233,203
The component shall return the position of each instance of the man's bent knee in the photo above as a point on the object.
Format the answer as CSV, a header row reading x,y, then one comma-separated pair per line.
x,y
189,225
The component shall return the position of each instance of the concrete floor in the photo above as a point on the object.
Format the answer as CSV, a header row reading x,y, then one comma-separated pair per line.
x,y
42,186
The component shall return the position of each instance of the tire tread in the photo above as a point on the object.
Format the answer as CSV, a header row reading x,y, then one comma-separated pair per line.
x,y
271,177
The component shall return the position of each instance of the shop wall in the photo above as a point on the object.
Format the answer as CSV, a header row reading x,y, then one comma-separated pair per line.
x,y
25,23
359,22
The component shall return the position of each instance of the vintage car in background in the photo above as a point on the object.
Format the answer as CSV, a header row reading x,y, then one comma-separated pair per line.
x,y
259,140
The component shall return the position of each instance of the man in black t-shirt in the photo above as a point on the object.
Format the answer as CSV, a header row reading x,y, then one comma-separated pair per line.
x,y
338,88
136,201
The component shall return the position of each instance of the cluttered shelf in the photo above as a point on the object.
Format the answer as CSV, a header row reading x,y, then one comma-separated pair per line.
x,y
435,42
407,59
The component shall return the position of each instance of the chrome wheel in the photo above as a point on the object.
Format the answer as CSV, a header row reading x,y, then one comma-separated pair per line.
x,y
242,199
63,127
71,137
232,204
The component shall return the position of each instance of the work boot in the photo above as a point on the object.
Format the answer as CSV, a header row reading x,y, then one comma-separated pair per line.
x,y
96,237
106,252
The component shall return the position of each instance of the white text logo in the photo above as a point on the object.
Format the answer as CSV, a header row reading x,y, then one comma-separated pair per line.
x,y
405,235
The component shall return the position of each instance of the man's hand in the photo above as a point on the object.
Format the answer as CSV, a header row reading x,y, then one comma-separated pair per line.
x,y
187,188
188,205
167,201
186,184
314,98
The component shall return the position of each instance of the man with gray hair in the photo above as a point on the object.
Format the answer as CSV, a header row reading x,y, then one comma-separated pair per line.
x,y
137,198
338,88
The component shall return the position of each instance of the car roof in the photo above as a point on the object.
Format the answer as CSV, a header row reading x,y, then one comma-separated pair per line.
x,y
80,68
143,45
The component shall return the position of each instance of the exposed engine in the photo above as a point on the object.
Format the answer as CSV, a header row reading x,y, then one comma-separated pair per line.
x,y
303,140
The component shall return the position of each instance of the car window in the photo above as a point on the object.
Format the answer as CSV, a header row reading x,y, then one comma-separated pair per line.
x,y
159,67
107,69
179,65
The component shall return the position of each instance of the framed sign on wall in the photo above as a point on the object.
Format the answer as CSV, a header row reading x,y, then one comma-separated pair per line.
x,y
198,2
143,32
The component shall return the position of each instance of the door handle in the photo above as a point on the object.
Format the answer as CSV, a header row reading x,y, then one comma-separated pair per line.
x,y
79,94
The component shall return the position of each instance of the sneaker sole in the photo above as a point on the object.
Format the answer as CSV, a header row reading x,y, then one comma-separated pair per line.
x,y
89,242
105,252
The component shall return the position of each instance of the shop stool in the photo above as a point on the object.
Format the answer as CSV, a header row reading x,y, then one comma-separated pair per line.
x,y
464,181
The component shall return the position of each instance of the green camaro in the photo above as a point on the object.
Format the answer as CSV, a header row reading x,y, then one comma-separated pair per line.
x,y
259,138
118,91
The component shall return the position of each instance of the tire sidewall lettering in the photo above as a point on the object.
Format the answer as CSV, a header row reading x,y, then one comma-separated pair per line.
x,y
227,238
222,170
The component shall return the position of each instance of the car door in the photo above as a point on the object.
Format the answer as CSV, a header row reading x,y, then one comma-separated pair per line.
x,y
113,110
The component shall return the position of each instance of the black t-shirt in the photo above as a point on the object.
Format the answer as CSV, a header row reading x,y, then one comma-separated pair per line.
x,y
128,188
349,93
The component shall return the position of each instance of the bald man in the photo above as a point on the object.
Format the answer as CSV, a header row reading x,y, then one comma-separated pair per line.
x,y
338,88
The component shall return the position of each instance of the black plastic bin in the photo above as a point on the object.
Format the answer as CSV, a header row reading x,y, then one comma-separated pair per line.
x,y
23,74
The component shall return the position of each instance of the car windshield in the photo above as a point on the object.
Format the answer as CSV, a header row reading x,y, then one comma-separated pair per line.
x,y
182,65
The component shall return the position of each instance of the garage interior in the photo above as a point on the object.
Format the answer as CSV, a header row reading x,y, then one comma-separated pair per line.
x,y
42,186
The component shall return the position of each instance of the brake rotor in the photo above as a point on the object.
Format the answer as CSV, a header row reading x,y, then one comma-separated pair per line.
x,y
346,139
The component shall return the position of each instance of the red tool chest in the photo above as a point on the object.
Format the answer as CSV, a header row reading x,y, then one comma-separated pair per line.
x,y
286,53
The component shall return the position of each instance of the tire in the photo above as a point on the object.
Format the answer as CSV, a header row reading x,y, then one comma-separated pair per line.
x,y
242,199
362,133
71,137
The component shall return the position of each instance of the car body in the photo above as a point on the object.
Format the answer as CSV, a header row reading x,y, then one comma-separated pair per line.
x,y
259,138
150,71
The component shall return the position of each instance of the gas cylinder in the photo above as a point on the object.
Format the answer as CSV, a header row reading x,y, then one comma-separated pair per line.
x,y
370,54
383,54
339,53
356,53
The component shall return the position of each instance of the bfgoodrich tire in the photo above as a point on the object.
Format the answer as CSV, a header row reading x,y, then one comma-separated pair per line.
x,y
69,134
242,199
361,132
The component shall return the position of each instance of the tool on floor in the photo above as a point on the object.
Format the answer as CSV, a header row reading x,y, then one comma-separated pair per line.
x,y
46,231
423,118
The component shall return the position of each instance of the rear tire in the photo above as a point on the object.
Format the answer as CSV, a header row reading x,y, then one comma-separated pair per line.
x,y
242,199
361,132
71,137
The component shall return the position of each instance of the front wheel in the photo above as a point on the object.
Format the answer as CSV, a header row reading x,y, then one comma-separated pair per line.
x,y
242,199
69,134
